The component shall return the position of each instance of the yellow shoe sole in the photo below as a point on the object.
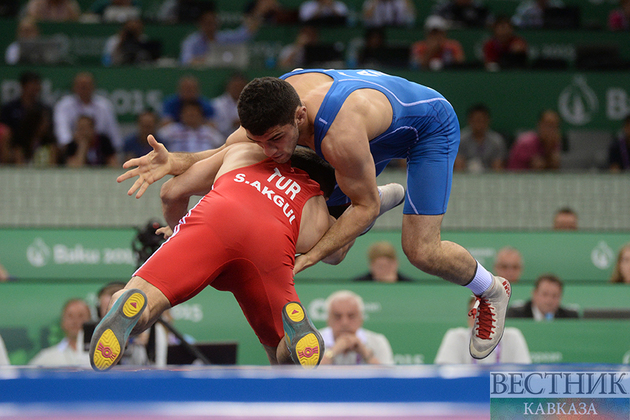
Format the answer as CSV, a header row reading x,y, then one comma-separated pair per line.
x,y
107,351
133,305
111,334
308,351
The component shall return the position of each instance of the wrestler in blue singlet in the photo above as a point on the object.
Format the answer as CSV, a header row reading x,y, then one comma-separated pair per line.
x,y
424,130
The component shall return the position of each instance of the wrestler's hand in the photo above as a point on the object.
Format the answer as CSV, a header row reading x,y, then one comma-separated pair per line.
x,y
165,231
302,262
148,168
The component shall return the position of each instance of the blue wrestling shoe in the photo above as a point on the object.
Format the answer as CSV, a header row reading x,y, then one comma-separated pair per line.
x,y
111,334
305,343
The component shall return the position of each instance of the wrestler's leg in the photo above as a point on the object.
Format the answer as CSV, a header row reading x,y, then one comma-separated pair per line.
x,y
282,353
279,355
157,303
131,311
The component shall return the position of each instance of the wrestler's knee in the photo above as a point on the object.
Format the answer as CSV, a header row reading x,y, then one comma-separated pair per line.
x,y
422,255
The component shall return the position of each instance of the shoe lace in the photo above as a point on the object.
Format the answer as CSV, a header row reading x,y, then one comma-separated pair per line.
x,y
482,310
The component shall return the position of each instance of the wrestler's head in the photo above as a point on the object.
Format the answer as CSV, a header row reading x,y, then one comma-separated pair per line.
x,y
270,111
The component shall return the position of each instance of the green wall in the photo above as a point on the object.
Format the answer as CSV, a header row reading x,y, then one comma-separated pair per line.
x,y
105,254
414,317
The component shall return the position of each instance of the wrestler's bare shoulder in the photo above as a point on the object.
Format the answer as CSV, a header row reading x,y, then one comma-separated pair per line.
x,y
239,155
304,83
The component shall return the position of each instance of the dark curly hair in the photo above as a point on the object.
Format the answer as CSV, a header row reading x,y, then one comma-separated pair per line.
x,y
267,102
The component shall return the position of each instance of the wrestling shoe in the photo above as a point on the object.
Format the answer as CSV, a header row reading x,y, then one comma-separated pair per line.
x,y
304,342
111,334
489,312
392,195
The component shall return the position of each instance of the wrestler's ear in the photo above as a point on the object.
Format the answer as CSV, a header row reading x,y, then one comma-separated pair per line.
x,y
300,114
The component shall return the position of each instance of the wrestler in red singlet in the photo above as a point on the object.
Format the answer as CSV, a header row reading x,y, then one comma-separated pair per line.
x,y
239,238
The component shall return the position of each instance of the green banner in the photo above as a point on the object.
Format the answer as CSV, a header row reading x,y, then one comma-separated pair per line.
x,y
573,256
68,254
95,254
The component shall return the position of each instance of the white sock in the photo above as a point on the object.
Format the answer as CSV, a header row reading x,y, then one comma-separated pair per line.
x,y
481,282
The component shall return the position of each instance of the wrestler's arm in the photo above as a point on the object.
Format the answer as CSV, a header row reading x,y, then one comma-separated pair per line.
x,y
160,162
349,153
197,180
315,222
339,255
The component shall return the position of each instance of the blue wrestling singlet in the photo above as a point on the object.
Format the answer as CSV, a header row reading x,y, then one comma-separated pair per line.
x,y
424,130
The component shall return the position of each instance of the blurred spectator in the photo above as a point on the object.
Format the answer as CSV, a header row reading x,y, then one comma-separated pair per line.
x,y
454,348
53,10
530,13
377,13
436,50
191,134
4,356
621,272
104,296
136,144
293,55
509,264
225,113
619,19
565,219
375,52
130,46
347,342
374,39
26,30
383,264
68,352
480,148
187,90
116,11
545,302
4,274
9,8
5,141
30,122
505,49
274,12
147,348
197,45
89,148
324,12
538,150
83,101
619,150
463,13
169,12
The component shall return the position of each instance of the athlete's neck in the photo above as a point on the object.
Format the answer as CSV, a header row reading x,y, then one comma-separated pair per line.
x,y
306,135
